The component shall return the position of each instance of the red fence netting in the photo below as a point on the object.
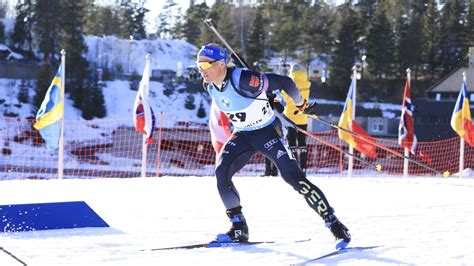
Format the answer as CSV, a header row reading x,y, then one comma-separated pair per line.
x,y
112,148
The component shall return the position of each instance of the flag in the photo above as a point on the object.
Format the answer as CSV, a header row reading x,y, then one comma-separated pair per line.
x,y
406,131
348,122
51,112
461,120
219,126
143,116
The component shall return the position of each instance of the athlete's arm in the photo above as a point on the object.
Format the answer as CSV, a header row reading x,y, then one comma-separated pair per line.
x,y
252,84
278,82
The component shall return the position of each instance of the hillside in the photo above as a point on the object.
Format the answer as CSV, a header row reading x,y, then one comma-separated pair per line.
x,y
122,56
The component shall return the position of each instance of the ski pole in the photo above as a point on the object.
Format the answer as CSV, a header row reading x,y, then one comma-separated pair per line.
x,y
288,123
210,23
13,256
310,112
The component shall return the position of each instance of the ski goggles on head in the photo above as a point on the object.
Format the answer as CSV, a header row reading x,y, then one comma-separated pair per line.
x,y
205,65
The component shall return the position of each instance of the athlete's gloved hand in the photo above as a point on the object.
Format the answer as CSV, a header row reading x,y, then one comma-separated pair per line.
x,y
311,109
302,107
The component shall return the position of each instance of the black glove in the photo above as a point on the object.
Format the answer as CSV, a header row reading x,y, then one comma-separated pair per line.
x,y
310,109
303,106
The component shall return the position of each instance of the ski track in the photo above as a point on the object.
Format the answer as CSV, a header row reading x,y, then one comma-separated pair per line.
x,y
417,221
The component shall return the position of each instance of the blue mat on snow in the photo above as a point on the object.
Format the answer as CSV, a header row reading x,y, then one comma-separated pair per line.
x,y
47,216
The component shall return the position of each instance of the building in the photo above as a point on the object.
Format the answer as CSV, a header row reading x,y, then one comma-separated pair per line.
x,y
317,70
436,110
447,89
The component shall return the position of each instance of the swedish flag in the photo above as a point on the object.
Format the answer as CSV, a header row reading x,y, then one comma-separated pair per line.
x,y
51,112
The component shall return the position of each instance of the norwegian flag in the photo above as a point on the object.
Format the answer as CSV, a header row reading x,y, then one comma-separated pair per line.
x,y
406,131
143,116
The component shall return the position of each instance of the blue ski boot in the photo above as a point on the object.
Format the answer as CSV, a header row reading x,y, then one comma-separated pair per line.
x,y
239,232
340,232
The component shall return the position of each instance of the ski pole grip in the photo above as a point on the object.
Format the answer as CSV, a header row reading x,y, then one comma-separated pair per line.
x,y
209,22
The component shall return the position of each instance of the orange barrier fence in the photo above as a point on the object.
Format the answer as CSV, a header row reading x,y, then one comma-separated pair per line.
x,y
112,148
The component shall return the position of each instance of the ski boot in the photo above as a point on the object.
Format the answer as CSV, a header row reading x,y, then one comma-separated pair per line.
x,y
239,232
340,232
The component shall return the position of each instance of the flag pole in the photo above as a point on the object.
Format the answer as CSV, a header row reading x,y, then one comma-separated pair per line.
x,y
144,155
61,135
406,150
145,144
462,143
350,166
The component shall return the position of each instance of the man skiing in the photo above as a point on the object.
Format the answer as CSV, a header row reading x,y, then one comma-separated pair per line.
x,y
242,95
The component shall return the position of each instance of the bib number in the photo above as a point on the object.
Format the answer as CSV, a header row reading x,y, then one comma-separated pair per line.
x,y
237,117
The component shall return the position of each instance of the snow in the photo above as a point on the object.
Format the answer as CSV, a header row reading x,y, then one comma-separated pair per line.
x,y
9,25
129,55
11,54
417,221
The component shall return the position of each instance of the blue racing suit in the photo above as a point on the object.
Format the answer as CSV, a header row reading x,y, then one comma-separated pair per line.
x,y
242,96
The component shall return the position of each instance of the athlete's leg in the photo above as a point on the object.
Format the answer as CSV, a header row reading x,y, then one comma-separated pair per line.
x,y
303,157
291,136
234,155
270,142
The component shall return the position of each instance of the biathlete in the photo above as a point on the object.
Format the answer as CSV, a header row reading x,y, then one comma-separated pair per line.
x,y
242,95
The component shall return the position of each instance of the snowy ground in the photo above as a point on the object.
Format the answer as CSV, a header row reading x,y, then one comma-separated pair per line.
x,y
419,221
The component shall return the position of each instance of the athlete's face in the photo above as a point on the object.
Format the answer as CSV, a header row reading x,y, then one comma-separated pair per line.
x,y
210,69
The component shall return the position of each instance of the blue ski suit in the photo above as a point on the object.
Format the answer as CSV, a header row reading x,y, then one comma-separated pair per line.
x,y
242,96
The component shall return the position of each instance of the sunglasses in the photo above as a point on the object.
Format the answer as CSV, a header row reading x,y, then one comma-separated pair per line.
x,y
205,65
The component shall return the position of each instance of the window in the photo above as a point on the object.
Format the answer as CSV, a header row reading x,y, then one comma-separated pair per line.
x,y
377,125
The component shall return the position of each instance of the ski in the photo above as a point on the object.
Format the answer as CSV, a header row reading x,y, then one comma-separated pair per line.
x,y
217,244
337,252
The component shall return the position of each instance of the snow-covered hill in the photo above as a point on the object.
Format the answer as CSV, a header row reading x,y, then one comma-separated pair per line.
x,y
127,56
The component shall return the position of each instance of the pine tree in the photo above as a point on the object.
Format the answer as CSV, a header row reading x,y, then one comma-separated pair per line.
x,y
410,44
94,104
166,19
315,32
451,54
201,112
101,20
23,92
223,13
287,29
257,37
193,24
47,25
45,76
380,45
125,18
72,41
21,36
365,10
468,40
189,102
431,38
177,31
345,51
138,20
